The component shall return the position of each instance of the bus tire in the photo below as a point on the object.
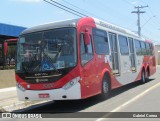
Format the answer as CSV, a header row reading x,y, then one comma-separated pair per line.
x,y
143,78
147,75
106,88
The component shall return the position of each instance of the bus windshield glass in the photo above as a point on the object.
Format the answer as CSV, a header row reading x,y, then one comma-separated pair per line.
x,y
49,50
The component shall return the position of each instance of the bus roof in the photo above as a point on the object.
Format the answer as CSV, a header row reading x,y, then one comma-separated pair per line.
x,y
53,25
12,40
149,41
74,22
115,28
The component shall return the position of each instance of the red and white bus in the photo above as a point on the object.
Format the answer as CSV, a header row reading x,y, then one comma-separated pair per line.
x,y
80,58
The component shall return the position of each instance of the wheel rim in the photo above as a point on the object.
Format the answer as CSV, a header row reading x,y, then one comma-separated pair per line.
x,y
105,87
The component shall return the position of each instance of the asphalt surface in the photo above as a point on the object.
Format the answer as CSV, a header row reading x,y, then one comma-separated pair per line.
x,y
134,97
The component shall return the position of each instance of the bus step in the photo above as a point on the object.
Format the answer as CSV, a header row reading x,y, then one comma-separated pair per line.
x,y
116,74
134,71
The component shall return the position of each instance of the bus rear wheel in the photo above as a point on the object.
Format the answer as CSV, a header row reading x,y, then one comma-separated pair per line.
x,y
147,75
105,87
143,78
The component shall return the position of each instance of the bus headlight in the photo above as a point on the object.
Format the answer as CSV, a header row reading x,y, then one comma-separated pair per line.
x,y
20,87
71,83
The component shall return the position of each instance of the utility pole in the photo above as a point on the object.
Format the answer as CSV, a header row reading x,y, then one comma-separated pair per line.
x,y
138,12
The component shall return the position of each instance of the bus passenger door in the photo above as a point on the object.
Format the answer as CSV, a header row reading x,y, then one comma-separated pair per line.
x,y
126,73
88,72
114,53
132,55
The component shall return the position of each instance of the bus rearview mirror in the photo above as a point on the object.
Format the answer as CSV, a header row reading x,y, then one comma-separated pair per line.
x,y
86,38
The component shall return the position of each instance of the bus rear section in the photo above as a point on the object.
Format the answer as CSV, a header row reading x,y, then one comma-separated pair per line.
x,y
7,53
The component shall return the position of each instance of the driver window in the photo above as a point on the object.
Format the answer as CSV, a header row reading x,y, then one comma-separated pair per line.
x,y
86,51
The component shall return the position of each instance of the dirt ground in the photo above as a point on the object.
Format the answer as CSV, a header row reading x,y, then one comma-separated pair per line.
x,y
7,78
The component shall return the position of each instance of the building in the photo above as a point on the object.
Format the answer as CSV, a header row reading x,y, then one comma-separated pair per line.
x,y
157,54
8,48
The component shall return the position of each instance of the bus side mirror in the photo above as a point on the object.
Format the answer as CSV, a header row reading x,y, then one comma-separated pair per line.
x,y
5,48
86,38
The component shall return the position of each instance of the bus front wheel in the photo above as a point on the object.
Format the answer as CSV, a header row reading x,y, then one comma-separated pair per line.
x,y
105,87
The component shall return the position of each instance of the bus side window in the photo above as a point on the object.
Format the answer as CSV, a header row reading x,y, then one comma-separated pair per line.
x,y
86,51
123,45
138,47
143,46
151,49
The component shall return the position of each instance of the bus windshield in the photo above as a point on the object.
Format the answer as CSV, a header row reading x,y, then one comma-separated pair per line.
x,y
47,50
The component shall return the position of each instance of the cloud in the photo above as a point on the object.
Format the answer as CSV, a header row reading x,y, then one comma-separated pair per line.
x,y
135,2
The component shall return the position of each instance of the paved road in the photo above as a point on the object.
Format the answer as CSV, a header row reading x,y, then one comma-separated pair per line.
x,y
134,97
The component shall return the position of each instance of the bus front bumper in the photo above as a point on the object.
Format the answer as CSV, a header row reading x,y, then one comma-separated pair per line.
x,y
72,93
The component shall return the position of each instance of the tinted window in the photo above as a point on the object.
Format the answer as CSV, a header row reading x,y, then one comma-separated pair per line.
x,y
143,46
149,49
123,45
138,47
101,42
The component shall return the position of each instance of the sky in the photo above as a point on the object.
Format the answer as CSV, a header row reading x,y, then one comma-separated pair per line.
x,y
30,13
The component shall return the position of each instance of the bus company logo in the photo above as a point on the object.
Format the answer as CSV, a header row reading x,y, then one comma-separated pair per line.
x,y
41,80
48,85
41,74
37,80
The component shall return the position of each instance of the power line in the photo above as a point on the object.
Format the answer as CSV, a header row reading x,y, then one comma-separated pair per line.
x,y
74,6
155,21
147,21
80,8
62,8
68,8
83,10
138,12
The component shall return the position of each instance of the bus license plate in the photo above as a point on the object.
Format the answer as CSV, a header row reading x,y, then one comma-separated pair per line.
x,y
45,95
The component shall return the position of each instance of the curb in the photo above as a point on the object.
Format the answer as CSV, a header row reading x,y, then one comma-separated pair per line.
x,y
19,105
